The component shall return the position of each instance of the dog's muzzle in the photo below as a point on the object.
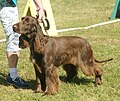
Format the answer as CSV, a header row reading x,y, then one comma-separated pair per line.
x,y
16,28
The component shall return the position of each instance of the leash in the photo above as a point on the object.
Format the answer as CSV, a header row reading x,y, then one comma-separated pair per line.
x,y
45,24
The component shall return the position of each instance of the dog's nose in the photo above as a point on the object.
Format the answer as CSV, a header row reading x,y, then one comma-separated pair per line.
x,y
15,27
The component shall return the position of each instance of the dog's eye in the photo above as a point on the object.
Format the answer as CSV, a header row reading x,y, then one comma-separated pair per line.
x,y
27,19
22,18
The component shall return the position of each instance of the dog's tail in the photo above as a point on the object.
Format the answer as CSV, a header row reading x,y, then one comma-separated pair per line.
x,y
103,60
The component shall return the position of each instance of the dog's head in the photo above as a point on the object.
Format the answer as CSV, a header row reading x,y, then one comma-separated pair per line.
x,y
29,28
27,25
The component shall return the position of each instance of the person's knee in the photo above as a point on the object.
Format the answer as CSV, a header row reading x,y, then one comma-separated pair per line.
x,y
17,53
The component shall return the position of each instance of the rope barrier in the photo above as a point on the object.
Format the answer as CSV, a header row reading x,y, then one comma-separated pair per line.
x,y
91,26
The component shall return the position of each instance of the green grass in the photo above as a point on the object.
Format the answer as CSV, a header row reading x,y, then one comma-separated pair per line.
x,y
105,41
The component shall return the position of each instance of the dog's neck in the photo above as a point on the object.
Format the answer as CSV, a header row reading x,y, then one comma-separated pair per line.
x,y
39,30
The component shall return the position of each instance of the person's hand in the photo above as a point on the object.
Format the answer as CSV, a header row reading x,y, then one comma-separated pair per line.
x,y
41,14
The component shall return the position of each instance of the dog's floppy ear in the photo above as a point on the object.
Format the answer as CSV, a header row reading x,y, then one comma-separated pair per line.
x,y
23,41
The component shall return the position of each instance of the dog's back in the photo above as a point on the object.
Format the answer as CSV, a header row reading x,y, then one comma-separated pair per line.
x,y
69,49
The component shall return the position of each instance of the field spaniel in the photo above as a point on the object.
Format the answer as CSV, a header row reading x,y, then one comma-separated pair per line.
x,y
48,53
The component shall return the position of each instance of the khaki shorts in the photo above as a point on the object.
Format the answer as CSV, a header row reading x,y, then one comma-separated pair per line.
x,y
9,16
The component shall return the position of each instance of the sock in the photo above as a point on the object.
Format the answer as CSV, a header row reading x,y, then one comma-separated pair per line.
x,y
13,73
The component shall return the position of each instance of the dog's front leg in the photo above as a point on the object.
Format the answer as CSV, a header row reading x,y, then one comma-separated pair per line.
x,y
38,82
52,80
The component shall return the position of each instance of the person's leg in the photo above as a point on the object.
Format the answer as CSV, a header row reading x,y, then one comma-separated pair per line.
x,y
9,16
12,63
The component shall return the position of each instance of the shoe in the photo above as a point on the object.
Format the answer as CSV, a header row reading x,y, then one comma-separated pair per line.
x,y
18,82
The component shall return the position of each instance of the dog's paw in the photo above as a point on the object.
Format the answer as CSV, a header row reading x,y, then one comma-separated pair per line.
x,y
38,90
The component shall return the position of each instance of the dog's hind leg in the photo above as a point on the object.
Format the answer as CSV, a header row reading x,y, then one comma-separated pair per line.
x,y
91,68
98,73
71,71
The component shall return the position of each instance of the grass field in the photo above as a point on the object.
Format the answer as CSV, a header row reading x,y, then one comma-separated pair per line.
x,y
105,41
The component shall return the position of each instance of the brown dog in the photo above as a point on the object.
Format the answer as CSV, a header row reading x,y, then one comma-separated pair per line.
x,y
48,53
